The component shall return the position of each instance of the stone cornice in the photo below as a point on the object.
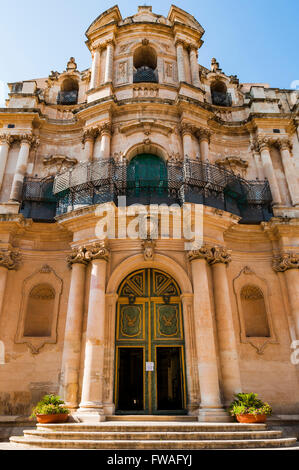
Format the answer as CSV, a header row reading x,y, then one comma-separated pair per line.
x,y
10,259
286,261
213,255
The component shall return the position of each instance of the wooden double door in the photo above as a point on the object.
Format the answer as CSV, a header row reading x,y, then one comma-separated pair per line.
x,y
150,359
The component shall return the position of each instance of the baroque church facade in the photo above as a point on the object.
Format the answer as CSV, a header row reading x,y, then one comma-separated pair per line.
x,y
148,324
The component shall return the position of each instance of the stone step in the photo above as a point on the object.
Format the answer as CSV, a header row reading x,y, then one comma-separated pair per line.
x,y
155,418
152,445
152,427
153,436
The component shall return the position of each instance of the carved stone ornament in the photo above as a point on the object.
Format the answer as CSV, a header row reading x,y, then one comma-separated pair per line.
x,y
286,261
6,139
213,255
71,65
77,256
233,163
90,134
148,247
98,250
29,139
10,259
203,134
58,164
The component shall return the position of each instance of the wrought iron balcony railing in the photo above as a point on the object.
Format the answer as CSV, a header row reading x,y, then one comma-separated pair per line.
x,y
221,99
105,180
145,74
67,97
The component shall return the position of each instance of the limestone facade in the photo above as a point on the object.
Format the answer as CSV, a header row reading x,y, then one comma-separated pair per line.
x,y
59,293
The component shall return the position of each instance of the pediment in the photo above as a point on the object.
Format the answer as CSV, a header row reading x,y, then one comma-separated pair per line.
x,y
109,16
177,15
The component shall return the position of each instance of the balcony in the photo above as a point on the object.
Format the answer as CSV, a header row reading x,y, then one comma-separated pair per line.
x,y
67,97
145,75
221,99
105,180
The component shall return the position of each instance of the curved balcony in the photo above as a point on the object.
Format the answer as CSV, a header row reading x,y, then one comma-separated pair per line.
x,y
189,181
105,180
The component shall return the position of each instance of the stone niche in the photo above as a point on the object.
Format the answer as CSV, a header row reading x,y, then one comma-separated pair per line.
x,y
40,301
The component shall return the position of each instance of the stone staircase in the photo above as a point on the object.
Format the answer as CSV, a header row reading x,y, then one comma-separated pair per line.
x,y
151,433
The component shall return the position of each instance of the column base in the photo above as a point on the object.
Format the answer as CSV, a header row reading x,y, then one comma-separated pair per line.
x,y
214,415
90,413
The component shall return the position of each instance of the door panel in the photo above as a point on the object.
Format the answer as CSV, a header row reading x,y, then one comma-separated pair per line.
x,y
149,318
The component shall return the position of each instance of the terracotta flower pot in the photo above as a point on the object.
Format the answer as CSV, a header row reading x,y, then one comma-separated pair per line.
x,y
52,419
251,418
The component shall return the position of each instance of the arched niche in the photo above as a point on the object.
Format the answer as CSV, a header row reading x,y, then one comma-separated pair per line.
x,y
69,90
145,65
39,309
254,309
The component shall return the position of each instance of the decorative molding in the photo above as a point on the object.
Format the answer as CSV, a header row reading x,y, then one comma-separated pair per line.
x,y
285,261
45,275
10,259
148,247
6,139
213,255
233,163
256,287
98,250
58,163
77,256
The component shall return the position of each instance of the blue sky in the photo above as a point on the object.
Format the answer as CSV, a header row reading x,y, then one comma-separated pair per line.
x,y
254,39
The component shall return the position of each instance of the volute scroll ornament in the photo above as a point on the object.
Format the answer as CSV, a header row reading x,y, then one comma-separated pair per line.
x,y
98,250
213,255
10,259
286,261
78,256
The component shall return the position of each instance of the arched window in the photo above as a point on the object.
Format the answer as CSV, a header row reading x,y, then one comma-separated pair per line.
x,y
219,94
147,174
39,311
68,94
145,63
254,311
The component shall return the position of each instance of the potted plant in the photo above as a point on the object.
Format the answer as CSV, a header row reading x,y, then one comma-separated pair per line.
x,y
248,408
50,410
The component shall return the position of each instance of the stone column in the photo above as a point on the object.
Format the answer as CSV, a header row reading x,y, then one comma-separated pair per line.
x,y
211,406
191,357
106,134
17,185
194,66
5,142
264,144
258,163
95,69
204,137
109,62
92,402
9,261
70,368
181,61
289,170
89,137
227,344
288,263
187,133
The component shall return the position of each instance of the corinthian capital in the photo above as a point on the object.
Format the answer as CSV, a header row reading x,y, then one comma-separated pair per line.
x,y
106,128
78,256
10,259
202,133
186,128
29,139
284,144
6,139
262,143
285,261
98,250
90,134
219,254
213,255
